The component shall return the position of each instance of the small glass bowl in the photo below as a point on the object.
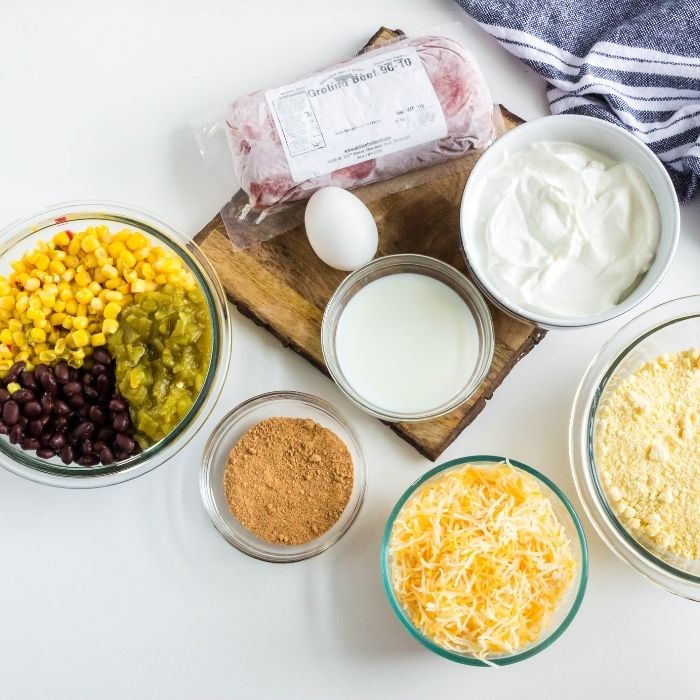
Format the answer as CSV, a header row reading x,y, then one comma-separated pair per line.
x,y
568,607
417,264
670,327
22,236
287,404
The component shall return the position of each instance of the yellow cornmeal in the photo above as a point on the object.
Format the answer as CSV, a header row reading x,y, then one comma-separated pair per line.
x,y
647,451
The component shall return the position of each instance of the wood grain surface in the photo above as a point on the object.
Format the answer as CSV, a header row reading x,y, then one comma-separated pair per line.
x,y
282,286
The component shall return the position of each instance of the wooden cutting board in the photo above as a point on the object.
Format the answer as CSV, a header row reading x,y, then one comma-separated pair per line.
x,y
282,286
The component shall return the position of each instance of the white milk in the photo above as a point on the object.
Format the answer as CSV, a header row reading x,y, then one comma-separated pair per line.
x,y
407,343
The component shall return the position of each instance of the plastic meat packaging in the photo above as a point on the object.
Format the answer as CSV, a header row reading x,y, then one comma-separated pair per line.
x,y
406,105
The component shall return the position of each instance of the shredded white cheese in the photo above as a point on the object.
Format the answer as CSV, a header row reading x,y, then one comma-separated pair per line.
x,y
479,561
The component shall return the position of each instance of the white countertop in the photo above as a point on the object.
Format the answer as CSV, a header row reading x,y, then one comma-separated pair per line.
x,y
129,592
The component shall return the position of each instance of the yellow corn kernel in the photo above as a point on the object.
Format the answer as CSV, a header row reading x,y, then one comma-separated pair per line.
x,y
113,284
114,248
126,258
47,356
59,306
147,271
109,271
19,338
6,336
98,339
72,307
96,305
111,311
80,322
160,279
136,240
47,300
90,244
83,278
98,275
67,322
57,318
83,295
22,356
5,352
81,310
5,365
138,286
113,295
80,338
14,325
31,284
13,386
95,288
57,267
7,303
109,326
74,246
35,314
68,275
78,355
42,262
62,239
60,346
38,335
72,261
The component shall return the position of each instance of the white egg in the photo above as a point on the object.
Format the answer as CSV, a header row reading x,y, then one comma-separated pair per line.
x,y
340,229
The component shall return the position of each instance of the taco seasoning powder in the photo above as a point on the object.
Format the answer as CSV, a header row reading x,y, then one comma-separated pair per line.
x,y
288,480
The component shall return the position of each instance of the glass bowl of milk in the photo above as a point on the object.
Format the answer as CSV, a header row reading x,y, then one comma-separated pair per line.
x,y
407,338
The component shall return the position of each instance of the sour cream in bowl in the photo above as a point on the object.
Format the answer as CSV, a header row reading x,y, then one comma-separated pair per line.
x,y
568,221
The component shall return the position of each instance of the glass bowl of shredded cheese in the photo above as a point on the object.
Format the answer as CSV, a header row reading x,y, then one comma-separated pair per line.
x,y
635,440
484,561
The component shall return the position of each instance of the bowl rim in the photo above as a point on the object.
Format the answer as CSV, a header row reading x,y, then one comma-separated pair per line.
x,y
558,322
166,233
232,418
463,658
421,263
593,381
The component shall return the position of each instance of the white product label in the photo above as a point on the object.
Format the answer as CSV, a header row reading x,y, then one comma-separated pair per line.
x,y
379,105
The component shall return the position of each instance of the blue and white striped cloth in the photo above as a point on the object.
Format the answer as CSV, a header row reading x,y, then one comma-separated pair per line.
x,y
632,62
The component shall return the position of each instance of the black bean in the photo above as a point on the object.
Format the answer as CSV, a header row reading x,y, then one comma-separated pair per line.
x,y
45,439
87,447
83,411
40,371
47,402
72,388
120,422
14,372
49,383
57,441
88,460
23,395
61,408
73,374
60,423
124,443
45,452
4,395
67,454
83,430
22,422
91,392
121,456
101,356
15,434
106,455
98,445
97,415
35,427
76,400
62,372
29,380
105,433
29,443
10,412
87,379
98,369
102,384
32,409
3,429
117,405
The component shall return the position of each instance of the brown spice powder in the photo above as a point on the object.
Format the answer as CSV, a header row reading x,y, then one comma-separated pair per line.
x,y
288,480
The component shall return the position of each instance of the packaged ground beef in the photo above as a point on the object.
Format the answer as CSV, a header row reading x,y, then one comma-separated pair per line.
x,y
413,103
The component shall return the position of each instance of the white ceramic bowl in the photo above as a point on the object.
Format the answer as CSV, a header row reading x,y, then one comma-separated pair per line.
x,y
600,136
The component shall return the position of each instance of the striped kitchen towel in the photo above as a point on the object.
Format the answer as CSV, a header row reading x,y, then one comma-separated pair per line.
x,y
632,62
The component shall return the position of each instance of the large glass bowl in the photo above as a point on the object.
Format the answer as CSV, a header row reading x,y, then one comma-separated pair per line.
x,y
567,608
24,235
667,328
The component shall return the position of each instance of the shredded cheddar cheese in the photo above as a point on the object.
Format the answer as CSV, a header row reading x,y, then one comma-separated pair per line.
x,y
479,561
